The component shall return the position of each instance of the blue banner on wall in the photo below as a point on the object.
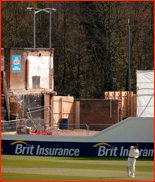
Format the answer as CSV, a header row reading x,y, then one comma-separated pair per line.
x,y
16,63
74,148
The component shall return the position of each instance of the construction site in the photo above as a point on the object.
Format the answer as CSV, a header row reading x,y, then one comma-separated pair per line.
x,y
30,104
77,91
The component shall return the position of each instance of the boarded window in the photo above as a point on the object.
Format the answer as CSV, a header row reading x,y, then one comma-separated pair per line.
x,y
36,82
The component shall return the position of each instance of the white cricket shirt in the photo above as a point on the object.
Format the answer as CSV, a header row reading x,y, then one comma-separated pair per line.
x,y
133,152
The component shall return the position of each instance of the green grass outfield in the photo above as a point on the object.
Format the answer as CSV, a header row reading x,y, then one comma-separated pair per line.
x,y
45,168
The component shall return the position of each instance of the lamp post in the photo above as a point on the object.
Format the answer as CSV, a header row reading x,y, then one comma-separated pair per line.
x,y
35,11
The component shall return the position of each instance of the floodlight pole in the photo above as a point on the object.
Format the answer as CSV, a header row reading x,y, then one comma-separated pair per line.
x,y
35,11
34,30
129,84
50,13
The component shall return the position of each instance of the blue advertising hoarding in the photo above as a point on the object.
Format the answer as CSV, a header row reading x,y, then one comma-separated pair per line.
x,y
16,63
74,148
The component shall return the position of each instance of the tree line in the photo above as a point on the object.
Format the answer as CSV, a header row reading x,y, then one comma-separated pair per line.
x,y
90,41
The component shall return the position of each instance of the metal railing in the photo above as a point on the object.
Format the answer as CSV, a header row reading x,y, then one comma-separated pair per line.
x,y
15,125
10,126
69,126
39,109
25,125
99,127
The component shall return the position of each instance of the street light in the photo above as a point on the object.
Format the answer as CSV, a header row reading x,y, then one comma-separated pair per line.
x,y
35,11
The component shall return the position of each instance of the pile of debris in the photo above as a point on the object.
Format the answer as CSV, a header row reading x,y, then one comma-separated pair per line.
x,y
25,130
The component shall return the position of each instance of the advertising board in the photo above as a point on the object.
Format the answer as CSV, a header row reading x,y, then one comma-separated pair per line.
x,y
16,63
75,149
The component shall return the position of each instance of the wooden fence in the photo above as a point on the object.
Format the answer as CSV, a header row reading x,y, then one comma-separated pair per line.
x,y
128,102
63,107
78,111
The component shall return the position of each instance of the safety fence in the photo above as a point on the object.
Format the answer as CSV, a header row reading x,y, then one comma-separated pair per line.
x,y
10,126
27,127
99,127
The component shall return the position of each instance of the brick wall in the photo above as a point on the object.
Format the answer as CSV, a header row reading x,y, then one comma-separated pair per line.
x,y
95,111
14,80
16,109
23,80
17,80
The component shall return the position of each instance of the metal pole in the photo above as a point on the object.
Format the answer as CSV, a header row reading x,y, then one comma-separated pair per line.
x,y
3,127
50,13
129,84
16,126
87,126
25,127
34,30
40,128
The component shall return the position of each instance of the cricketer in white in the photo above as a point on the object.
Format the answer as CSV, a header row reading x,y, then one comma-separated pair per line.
x,y
133,155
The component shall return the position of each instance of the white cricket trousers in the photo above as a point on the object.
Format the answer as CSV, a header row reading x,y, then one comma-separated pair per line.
x,y
131,162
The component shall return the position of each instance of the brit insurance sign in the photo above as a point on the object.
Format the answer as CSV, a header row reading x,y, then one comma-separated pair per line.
x,y
74,149
16,63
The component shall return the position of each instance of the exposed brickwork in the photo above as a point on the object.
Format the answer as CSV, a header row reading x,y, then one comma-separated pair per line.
x,y
51,79
19,84
98,112
15,108
50,82
22,80
20,103
17,80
